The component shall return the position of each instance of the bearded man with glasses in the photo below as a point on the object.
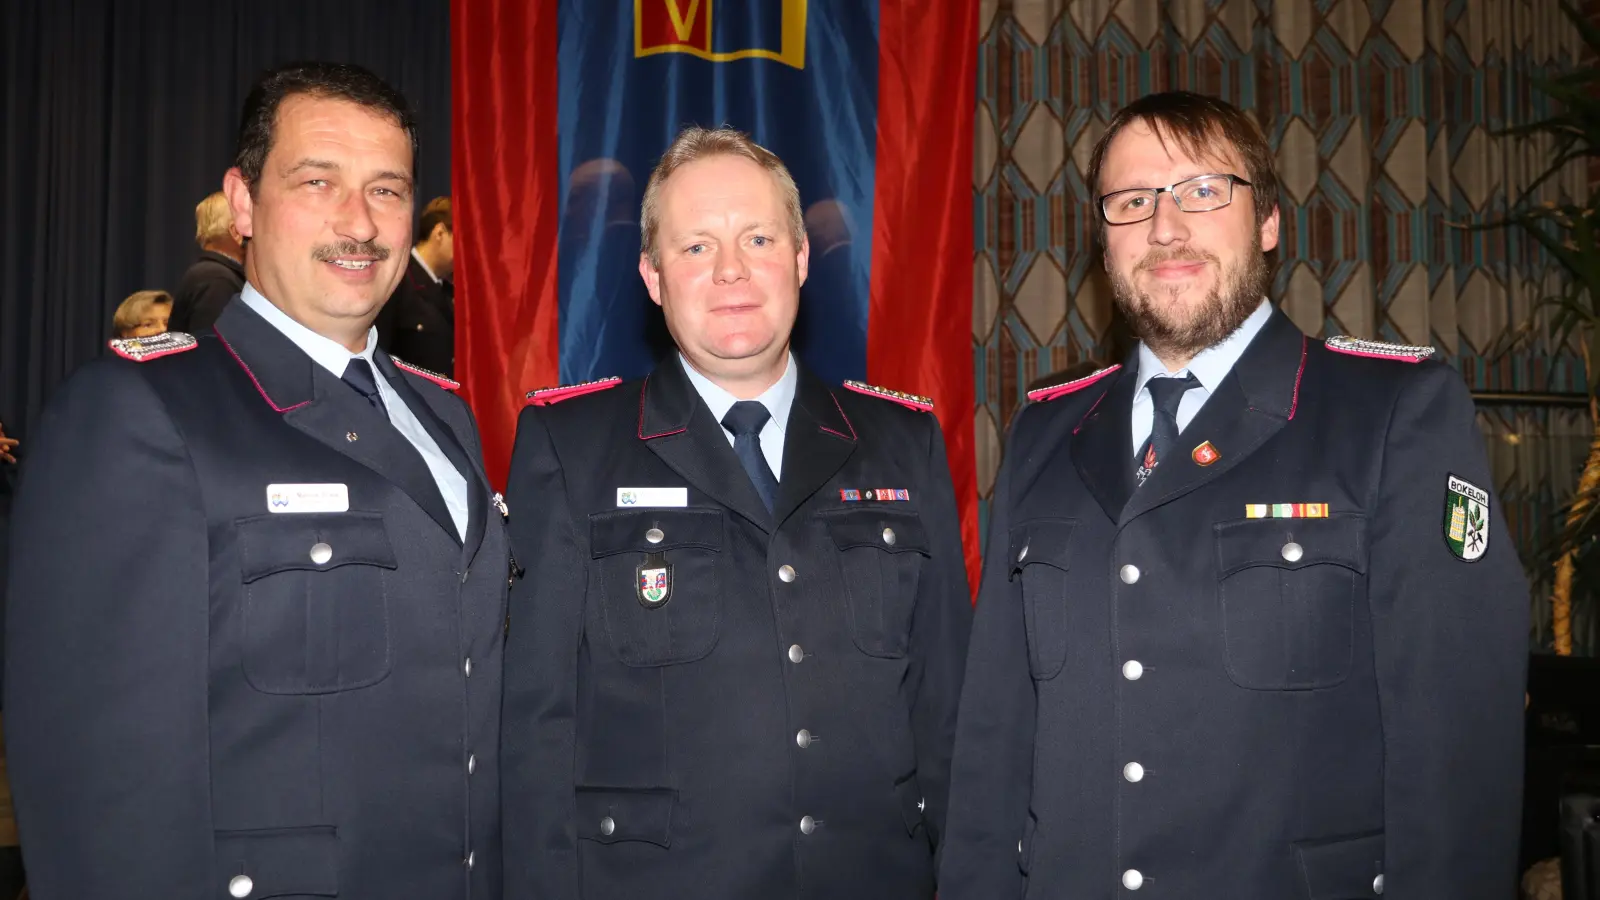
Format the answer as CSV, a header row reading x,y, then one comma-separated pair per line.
x,y
1249,626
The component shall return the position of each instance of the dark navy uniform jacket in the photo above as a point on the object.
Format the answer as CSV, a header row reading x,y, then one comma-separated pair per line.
x,y
780,726
1170,697
206,699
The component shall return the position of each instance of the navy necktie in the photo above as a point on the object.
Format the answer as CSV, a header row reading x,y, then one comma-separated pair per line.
x,y
745,421
1165,394
358,374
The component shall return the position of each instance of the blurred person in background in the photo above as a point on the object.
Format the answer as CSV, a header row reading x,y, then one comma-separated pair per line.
x,y
418,324
217,275
143,314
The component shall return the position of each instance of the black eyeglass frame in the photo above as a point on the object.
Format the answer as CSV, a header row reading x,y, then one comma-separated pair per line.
x,y
1233,180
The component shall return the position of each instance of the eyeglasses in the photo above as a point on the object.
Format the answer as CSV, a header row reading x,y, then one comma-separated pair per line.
x,y
1202,193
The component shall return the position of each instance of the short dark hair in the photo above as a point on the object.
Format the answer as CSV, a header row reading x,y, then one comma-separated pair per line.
x,y
436,213
1200,126
325,80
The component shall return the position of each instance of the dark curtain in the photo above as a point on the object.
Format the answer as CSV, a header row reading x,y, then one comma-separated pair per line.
x,y
120,115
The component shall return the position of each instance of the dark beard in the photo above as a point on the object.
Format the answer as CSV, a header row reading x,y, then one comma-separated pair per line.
x,y
1224,309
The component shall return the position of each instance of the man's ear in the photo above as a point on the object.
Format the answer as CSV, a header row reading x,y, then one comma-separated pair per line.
x,y
240,201
651,276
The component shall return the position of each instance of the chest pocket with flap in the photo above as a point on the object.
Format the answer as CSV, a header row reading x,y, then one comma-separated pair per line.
x,y
881,552
1040,554
645,626
316,615
1288,590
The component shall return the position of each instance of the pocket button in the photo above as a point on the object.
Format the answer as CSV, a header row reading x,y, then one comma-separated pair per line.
x,y
1293,551
240,886
321,553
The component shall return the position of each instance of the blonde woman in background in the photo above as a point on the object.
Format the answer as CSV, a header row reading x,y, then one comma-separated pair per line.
x,y
141,315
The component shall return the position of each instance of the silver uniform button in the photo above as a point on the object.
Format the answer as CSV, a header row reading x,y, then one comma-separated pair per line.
x,y
796,653
803,739
888,536
1133,670
808,825
654,536
321,553
1292,551
1377,885
471,860
1129,574
1024,554
1132,879
472,764
1133,772
240,886
466,667
922,804
786,574
608,826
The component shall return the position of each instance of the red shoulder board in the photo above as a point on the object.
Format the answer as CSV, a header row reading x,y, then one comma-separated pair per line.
x,y
548,396
909,401
434,377
1061,390
154,347
1378,349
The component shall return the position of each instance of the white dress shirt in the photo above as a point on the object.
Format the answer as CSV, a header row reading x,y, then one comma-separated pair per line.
x,y
777,399
1209,367
334,357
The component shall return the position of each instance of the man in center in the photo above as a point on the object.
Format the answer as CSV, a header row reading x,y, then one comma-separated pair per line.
x,y
734,670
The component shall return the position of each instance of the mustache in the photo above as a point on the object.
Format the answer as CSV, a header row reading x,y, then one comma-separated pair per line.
x,y
1183,254
330,252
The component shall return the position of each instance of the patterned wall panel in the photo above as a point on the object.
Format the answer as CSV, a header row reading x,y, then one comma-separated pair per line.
x,y
1383,115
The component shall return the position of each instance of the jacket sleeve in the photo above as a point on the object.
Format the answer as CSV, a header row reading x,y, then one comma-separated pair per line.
x,y
106,650
541,672
992,774
1450,647
941,625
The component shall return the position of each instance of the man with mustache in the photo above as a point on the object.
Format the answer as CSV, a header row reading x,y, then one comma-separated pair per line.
x,y
259,578
734,672
1250,624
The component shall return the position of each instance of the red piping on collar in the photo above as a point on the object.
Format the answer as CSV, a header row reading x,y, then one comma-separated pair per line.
x,y
1079,426
847,423
253,379
642,435
1295,403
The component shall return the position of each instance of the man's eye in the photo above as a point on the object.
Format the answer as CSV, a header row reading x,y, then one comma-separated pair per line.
x,y
694,249
761,240
1137,201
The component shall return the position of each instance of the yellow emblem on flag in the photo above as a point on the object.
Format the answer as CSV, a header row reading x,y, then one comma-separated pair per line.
x,y
685,26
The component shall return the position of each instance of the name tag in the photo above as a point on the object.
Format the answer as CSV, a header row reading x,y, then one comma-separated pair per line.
x,y
308,498
652,496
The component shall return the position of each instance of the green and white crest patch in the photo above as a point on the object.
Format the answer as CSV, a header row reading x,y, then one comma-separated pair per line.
x,y
1466,519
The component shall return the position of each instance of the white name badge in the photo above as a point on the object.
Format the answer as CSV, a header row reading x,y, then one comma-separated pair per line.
x,y
652,496
308,498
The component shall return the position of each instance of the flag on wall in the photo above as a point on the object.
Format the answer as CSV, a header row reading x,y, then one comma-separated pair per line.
x,y
561,111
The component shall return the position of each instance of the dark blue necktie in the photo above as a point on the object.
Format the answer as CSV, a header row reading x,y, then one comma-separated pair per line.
x,y
745,421
358,374
1165,394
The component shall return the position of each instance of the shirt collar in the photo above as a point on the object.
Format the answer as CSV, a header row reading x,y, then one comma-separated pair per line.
x,y
328,353
1212,364
423,263
777,399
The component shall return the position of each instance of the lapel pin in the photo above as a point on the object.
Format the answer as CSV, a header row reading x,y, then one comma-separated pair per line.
x,y
351,436
1205,454
499,502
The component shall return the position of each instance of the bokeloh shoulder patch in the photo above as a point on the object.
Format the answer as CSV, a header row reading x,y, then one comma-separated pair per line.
x,y
1466,519
548,396
154,347
910,401
1351,346
420,372
1051,392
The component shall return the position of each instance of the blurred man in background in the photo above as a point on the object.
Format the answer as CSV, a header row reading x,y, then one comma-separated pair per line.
x,y
217,275
418,323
